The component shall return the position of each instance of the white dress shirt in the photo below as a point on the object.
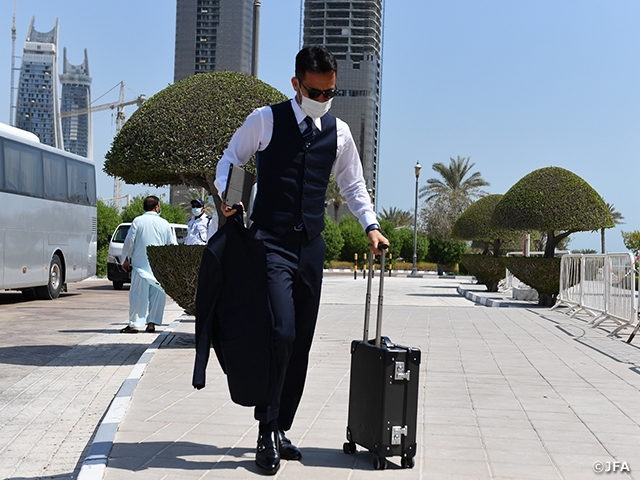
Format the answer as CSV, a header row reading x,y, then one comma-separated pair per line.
x,y
255,134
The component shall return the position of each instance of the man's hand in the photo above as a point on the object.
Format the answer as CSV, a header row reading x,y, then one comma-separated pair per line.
x,y
227,210
376,238
125,265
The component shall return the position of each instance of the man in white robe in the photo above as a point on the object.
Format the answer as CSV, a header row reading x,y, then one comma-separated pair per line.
x,y
146,229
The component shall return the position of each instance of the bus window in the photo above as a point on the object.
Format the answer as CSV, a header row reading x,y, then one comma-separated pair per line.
x,y
55,177
82,184
23,169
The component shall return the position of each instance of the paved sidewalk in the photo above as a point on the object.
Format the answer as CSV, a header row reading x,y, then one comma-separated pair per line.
x,y
506,393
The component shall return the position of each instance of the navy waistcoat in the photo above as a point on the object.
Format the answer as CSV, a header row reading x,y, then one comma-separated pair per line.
x,y
293,176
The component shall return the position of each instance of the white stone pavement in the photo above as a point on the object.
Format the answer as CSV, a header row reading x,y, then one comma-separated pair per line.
x,y
506,393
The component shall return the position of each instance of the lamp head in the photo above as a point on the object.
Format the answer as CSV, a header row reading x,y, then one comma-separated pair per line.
x,y
417,168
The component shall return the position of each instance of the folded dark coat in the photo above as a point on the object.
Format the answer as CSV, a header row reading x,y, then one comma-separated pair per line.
x,y
232,313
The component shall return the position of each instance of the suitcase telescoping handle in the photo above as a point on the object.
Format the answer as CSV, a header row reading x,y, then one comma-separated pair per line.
x,y
367,307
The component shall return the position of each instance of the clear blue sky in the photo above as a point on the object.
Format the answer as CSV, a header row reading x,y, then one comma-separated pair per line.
x,y
516,85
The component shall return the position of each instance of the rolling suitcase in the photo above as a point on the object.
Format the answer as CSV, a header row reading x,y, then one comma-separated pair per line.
x,y
383,391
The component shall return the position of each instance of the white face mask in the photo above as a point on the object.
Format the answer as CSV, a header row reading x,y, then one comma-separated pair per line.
x,y
314,109
196,211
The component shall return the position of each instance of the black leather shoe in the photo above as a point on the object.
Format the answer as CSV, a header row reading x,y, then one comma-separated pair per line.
x,y
267,455
288,451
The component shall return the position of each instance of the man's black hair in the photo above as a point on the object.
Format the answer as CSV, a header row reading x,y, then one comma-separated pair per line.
x,y
315,59
150,203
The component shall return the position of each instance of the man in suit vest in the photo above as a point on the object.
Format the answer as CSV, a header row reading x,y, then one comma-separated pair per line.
x,y
297,146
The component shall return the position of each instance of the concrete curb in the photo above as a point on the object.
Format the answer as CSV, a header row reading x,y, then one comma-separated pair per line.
x,y
488,302
95,463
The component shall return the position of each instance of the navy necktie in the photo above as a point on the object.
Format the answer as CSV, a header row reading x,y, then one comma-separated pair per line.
x,y
309,133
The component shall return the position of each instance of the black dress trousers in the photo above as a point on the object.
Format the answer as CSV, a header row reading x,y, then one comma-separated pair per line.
x,y
294,282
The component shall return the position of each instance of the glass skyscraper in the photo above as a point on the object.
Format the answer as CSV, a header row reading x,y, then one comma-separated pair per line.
x,y
77,131
352,31
213,35
37,103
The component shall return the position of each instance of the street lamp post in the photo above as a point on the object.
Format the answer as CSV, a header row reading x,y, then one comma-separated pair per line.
x,y
414,270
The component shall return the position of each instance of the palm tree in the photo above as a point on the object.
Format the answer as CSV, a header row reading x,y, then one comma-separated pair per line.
x,y
334,196
454,187
452,193
400,218
617,219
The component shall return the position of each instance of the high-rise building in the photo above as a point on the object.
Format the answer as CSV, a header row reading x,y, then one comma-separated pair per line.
x,y
37,102
77,131
352,31
213,35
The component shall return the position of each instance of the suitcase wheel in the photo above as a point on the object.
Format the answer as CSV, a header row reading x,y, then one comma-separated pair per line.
x,y
379,463
349,447
408,462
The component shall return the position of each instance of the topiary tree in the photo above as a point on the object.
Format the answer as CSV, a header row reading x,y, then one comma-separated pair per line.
x,y
554,201
176,268
475,224
487,269
177,138
542,274
179,134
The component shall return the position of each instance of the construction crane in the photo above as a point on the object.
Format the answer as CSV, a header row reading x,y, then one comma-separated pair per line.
x,y
119,105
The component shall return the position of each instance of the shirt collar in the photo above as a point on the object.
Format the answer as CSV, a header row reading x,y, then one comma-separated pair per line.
x,y
300,115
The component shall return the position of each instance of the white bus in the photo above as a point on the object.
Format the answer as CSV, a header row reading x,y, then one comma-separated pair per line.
x,y
48,216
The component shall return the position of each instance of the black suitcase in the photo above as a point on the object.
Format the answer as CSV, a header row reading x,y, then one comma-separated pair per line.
x,y
383,392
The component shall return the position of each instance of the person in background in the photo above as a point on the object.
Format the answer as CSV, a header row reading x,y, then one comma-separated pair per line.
x,y
198,224
298,145
200,227
146,229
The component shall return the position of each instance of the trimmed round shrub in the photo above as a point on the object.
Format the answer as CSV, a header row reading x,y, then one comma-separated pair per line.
x,y
179,134
542,274
488,270
176,268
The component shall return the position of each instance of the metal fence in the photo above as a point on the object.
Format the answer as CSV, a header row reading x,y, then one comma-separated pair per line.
x,y
602,286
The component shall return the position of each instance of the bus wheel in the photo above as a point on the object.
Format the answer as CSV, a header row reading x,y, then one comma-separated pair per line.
x,y
52,290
